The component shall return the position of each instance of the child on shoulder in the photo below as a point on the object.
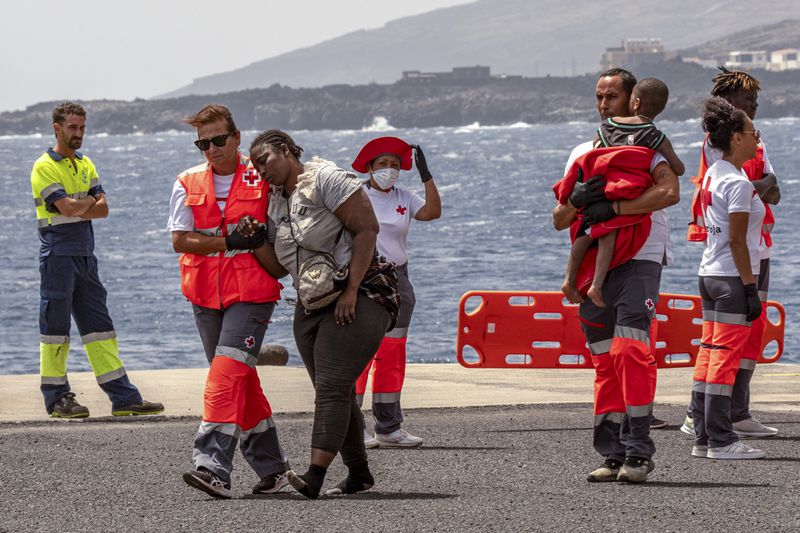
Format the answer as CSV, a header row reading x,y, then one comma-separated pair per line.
x,y
648,99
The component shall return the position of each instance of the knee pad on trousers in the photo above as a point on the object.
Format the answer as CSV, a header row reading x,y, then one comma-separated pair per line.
x,y
226,390
361,382
607,390
728,343
704,353
256,410
390,365
635,365
754,345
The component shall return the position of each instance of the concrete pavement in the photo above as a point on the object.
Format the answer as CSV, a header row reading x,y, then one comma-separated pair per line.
x,y
775,387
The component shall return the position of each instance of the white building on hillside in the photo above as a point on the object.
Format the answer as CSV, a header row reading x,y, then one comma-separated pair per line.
x,y
786,59
746,59
634,53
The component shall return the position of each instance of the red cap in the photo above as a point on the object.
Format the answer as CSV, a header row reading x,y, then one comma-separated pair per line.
x,y
380,146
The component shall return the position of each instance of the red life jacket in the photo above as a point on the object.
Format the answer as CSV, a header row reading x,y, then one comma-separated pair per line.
x,y
627,173
754,168
220,279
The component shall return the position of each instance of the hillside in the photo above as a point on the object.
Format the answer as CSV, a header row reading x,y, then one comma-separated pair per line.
x,y
501,101
527,37
784,34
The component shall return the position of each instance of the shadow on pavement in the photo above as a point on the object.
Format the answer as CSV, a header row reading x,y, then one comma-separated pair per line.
x,y
423,448
704,485
372,496
535,430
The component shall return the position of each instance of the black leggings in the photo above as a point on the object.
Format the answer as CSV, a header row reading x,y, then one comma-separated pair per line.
x,y
335,356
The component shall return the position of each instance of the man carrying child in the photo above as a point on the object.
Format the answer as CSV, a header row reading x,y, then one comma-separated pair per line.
x,y
619,334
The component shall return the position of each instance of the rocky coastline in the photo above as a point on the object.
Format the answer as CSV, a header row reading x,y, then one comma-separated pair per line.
x,y
337,107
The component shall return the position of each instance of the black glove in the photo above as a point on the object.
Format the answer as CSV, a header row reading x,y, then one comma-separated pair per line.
x,y
598,212
422,164
237,241
585,193
753,302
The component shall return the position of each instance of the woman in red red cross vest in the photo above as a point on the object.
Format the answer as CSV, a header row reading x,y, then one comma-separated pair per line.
x,y
382,159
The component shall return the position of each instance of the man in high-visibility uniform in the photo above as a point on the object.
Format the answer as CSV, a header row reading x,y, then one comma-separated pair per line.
x,y
68,195
741,89
620,335
233,299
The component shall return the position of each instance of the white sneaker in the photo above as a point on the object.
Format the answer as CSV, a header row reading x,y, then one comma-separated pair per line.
x,y
398,439
370,441
700,450
737,450
752,428
688,425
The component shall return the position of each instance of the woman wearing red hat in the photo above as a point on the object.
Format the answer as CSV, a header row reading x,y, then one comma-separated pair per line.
x,y
382,159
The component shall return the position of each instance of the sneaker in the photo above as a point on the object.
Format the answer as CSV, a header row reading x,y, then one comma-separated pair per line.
x,y
68,407
700,450
657,423
736,450
398,439
635,470
141,408
688,425
208,482
370,441
271,484
608,471
752,428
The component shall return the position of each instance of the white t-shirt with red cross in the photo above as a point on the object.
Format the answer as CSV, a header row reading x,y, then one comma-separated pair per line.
x,y
713,155
727,190
394,209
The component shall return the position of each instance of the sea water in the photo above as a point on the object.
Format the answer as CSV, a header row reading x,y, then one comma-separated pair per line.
x,y
495,232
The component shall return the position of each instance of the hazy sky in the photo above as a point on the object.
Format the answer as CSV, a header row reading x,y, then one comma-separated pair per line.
x,y
115,49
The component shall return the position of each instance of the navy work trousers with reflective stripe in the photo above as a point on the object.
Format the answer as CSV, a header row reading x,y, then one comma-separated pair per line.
x,y
389,364
630,294
70,286
237,332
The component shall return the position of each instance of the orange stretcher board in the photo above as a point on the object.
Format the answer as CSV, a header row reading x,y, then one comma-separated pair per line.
x,y
528,329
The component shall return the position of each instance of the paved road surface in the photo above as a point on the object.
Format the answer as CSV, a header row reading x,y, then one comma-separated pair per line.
x,y
481,469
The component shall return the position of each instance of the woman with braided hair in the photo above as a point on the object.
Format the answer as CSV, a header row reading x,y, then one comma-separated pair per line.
x,y
740,89
321,210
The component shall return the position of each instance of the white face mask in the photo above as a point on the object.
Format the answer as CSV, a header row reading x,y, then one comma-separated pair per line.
x,y
385,178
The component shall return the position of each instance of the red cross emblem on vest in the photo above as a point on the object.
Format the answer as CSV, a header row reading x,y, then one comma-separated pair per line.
x,y
251,178
402,210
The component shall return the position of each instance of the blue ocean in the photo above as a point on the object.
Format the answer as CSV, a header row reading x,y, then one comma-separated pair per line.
x,y
495,232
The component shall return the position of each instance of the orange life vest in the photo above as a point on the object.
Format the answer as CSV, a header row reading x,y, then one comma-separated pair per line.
x,y
220,279
754,168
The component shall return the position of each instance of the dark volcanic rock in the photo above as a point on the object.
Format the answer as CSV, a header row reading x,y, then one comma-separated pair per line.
x,y
491,102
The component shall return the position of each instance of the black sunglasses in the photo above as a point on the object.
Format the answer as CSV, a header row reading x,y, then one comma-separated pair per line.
x,y
219,141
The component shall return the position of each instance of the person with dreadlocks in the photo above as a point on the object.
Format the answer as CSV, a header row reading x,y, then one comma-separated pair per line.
x,y
741,89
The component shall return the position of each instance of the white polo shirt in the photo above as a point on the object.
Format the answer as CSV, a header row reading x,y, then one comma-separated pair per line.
x,y
657,246
730,192
394,209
